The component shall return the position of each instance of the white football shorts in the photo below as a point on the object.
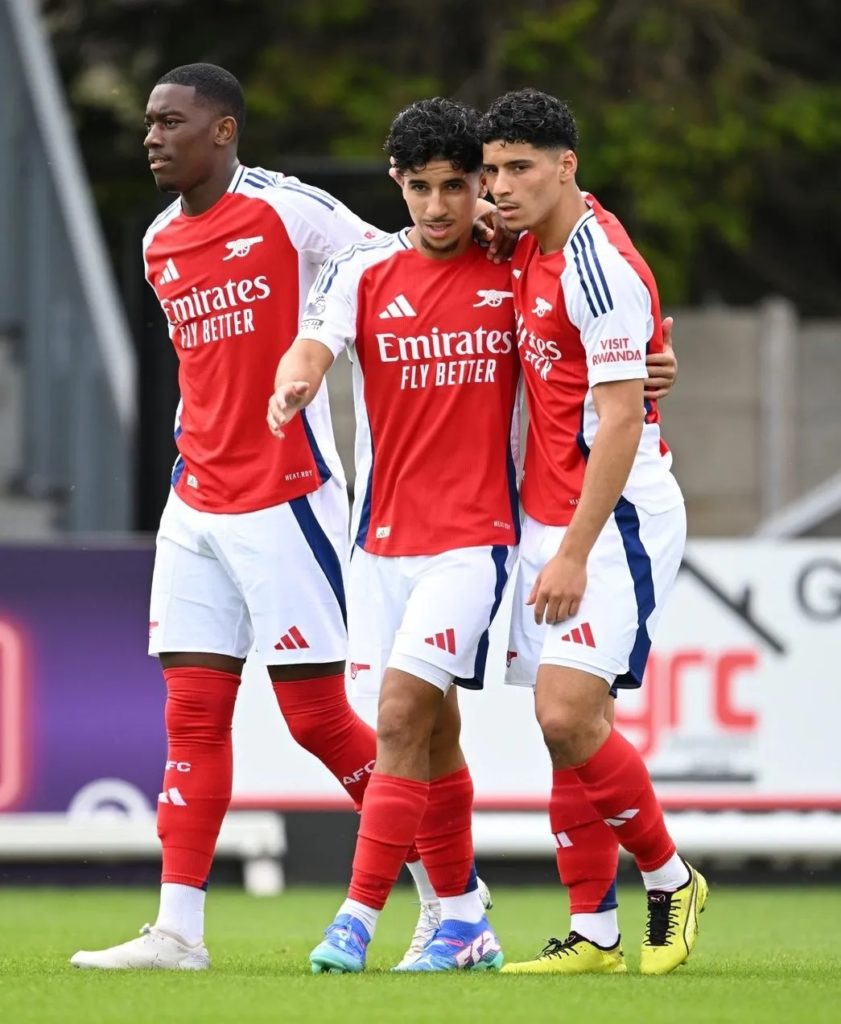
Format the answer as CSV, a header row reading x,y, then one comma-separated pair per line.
x,y
423,612
630,572
275,577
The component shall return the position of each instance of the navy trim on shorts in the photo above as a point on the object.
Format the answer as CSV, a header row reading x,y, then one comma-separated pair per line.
x,y
499,553
325,553
639,563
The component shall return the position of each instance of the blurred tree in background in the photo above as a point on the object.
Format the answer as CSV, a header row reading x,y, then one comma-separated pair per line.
x,y
711,127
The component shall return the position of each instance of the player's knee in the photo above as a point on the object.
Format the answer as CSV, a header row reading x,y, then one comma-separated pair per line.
x,y
398,727
446,735
199,717
306,730
565,730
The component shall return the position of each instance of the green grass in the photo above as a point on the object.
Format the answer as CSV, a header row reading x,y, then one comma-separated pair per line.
x,y
764,955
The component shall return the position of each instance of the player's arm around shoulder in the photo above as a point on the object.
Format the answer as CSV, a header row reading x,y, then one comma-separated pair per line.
x,y
662,366
298,377
319,225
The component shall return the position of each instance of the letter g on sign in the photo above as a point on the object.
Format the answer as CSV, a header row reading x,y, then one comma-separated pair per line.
x,y
818,589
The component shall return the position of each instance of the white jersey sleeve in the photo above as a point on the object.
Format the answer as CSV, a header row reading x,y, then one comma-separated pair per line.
x,y
318,224
611,307
330,315
158,224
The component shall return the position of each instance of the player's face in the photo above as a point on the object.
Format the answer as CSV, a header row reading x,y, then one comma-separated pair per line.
x,y
442,203
526,182
182,138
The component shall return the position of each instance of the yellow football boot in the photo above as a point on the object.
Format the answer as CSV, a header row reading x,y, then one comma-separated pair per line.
x,y
672,926
575,955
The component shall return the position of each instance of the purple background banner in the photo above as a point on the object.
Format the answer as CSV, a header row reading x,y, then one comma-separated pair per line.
x,y
75,622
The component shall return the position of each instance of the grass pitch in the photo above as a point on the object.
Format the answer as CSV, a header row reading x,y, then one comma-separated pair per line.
x,y
764,955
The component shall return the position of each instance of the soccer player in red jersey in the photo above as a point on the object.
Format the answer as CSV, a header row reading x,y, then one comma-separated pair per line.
x,y
430,323
603,532
253,538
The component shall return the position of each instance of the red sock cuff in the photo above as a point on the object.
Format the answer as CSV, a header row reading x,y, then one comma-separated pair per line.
x,y
454,780
307,692
200,676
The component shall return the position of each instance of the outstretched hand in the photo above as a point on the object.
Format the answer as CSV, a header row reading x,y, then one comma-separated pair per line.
x,y
287,399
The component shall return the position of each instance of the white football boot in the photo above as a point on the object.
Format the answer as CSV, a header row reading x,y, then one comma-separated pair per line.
x,y
154,950
429,921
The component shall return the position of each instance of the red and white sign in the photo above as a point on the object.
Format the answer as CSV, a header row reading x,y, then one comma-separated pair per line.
x,y
740,708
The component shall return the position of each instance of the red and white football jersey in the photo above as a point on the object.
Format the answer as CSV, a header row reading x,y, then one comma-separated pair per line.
x,y
435,385
585,315
231,283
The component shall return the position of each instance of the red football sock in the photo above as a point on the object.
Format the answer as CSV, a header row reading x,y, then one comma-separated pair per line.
x,y
322,721
391,814
445,834
587,850
617,784
199,769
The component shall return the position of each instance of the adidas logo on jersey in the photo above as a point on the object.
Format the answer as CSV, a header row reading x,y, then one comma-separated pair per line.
x,y
169,273
446,641
292,641
400,307
580,635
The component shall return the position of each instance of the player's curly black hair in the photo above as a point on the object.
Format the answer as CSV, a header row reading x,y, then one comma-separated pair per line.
x,y
436,129
214,84
531,116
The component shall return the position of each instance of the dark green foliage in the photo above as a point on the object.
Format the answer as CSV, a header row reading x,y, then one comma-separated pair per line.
x,y
712,127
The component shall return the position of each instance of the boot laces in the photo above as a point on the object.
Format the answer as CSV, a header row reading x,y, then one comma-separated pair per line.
x,y
662,919
561,947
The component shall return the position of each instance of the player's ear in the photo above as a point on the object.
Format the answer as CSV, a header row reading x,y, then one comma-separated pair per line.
x,y
226,131
393,172
483,186
567,165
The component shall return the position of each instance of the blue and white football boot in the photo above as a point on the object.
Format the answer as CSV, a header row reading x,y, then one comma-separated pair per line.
x,y
343,948
459,946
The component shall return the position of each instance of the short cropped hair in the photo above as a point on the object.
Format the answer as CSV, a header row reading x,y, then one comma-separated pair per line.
x,y
435,129
214,84
530,116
